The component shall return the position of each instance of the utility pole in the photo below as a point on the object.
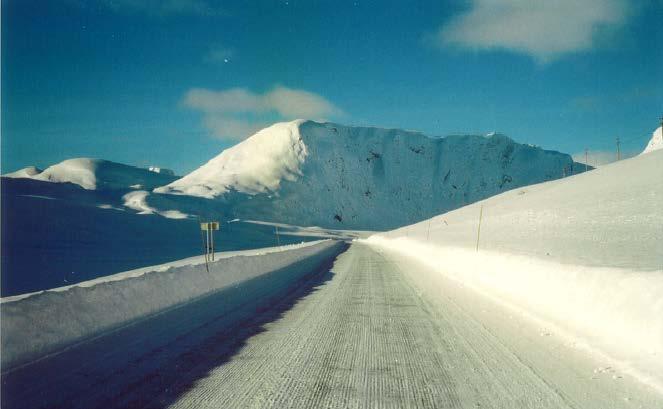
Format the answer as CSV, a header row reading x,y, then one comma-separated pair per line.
x,y
586,161
619,153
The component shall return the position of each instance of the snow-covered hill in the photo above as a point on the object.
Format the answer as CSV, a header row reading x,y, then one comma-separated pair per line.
x,y
257,165
310,173
92,174
656,141
583,254
28,172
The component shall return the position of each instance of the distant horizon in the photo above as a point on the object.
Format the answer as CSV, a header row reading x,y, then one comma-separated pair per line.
x,y
174,84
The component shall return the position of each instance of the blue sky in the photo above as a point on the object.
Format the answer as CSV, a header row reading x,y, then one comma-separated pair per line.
x,y
174,82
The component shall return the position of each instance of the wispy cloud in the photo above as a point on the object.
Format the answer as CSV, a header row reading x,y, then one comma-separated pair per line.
x,y
545,30
237,113
163,8
220,54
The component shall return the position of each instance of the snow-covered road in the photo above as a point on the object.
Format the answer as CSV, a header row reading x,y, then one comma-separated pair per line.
x,y
376,331
379,335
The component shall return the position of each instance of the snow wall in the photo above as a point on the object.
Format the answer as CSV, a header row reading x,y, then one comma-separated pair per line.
x,y
47,322
606,310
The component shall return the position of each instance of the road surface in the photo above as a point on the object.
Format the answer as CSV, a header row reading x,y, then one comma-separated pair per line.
x,y
372,331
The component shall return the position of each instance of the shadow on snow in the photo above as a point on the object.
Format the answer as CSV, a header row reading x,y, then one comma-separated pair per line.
x,y
154,361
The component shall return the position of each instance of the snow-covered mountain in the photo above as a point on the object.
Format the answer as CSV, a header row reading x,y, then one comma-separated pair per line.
x,y
310,173
656,141
301,172
93,174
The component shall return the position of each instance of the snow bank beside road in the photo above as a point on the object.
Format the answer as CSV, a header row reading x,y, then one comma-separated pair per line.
x,y
616,311
582,253
49,321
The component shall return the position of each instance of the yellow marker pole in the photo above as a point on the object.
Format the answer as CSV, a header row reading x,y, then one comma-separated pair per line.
x,y
479,228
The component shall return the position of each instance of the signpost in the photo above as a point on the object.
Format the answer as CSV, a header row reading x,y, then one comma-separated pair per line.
x,y
207,230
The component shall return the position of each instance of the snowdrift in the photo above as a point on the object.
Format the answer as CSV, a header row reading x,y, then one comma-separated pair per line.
x,y
46,322
582,254
656,141
335,176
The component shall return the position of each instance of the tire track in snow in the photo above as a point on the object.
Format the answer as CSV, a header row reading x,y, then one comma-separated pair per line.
x,y
353,343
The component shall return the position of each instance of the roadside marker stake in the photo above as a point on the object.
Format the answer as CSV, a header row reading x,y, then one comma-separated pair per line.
x,y
479,228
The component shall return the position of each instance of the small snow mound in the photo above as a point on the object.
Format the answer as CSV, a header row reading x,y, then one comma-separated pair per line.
x,y
163,171
255,165
137,200
28,172
656,141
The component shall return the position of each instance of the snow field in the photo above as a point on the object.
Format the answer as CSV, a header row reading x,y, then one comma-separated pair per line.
x,y
583,254
47,322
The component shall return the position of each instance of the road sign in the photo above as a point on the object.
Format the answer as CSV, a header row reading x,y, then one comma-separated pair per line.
x,y
209,226
208,240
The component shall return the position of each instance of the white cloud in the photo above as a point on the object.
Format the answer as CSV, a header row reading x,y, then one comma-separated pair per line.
x,y
233,100
237,113
299,104
543,29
